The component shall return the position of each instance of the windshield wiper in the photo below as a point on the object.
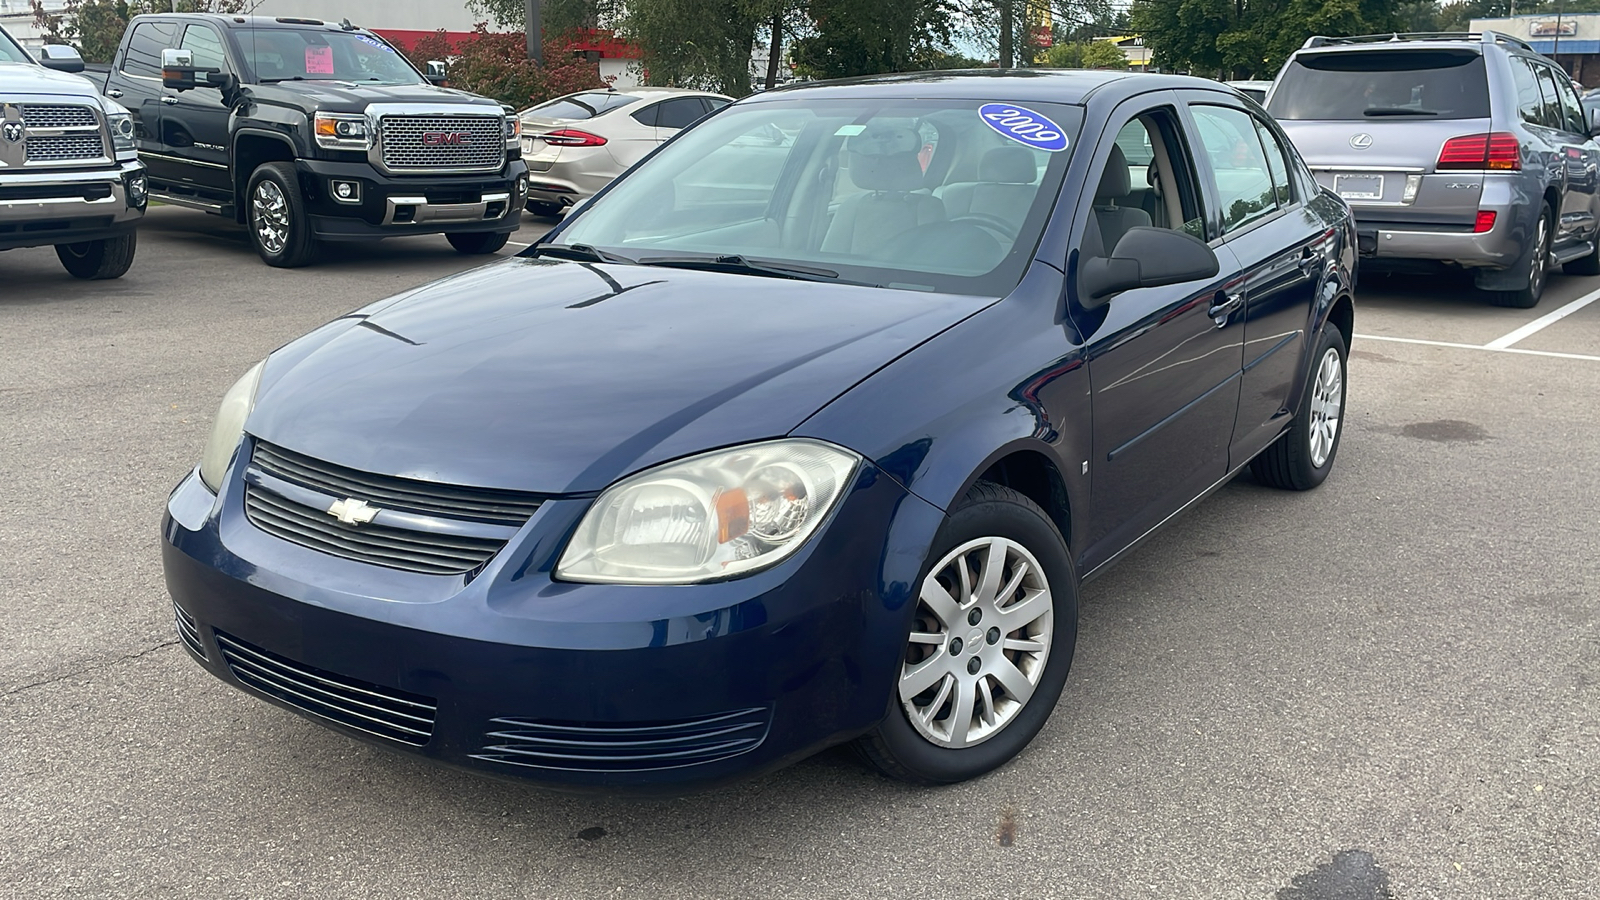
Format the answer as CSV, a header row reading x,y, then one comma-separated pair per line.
x,y
1398,111
581,253
733,262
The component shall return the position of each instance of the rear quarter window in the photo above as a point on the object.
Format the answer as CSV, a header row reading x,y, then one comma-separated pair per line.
x,y
1383,84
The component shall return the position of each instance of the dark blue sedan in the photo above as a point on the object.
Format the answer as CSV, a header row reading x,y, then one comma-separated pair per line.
x,y
804,431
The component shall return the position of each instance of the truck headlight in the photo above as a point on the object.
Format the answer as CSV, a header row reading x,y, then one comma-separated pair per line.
x,y
337,131
121,124
709,517
228,429
513,132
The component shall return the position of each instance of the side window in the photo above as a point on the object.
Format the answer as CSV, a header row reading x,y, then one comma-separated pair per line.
x,y
1277,161
1550,116
1530,105
680,113
143,56
1147,180
206,46
647,116
715,103
1572,120
1244,180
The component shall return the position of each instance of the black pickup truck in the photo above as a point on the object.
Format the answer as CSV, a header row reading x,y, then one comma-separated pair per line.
x,y
308,132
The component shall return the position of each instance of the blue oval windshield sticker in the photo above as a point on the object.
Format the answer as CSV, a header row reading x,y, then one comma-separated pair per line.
x,y
1024,126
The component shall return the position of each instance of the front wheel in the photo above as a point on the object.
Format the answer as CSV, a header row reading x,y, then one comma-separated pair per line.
x,y
99,260
1301,458
280,228
478,243
989,646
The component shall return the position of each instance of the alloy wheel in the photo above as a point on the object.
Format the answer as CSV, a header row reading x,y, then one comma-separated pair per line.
x,y
269,214
1541,256
1327,404
985,619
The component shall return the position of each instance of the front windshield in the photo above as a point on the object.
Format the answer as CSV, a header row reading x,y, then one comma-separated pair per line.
x,y
10,52
278,54
914,194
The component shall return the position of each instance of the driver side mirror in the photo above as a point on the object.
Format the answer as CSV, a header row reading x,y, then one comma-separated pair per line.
x,y
1146,257
438,72
61,58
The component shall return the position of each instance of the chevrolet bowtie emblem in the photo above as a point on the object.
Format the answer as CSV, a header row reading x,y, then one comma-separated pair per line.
x,y
353,512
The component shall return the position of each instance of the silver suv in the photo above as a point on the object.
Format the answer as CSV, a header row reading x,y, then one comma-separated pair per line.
x,y
1463,149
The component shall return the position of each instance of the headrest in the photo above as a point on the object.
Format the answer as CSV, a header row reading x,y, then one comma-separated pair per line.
x,y
884,158
1007,165
1114,183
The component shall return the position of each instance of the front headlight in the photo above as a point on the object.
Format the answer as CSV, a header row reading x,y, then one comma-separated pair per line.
x,y
342,131
709,517
228,428
513,131
121,124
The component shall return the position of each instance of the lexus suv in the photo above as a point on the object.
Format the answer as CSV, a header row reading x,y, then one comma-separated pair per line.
x,y
1467,150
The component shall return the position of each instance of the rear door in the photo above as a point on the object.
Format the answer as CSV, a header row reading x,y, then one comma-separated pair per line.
x,y
1371,122
1576,157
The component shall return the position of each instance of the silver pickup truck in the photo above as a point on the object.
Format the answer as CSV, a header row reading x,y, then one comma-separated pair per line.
x,y
69,174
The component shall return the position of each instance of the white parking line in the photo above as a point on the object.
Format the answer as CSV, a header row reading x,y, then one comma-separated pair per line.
x,y
1539,324
1491,349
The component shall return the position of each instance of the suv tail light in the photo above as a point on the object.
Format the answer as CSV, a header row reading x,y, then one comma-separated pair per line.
x,y
1496,150
572,137
1485,222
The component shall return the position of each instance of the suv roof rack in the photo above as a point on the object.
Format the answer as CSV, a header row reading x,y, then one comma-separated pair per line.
x,y
1484,37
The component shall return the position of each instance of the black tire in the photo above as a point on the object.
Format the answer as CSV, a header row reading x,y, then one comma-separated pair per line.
x,y
99,260
478,243
1528,297
291,243
896,747
1586,265
1290,461
544,210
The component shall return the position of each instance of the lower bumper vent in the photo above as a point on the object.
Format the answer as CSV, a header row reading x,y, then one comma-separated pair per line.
x,y
639,747
382,711
188,632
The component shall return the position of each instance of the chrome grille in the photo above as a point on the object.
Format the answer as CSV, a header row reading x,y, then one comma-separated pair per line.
x,y
386,712
59,117
188,631
65,148
474,523
483,148
638,747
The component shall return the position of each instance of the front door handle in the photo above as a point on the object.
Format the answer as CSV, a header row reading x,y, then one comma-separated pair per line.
x,y
170,101
1310,260
1231,303
113,93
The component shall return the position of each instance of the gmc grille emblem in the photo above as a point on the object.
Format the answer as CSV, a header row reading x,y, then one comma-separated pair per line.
x,y
445,138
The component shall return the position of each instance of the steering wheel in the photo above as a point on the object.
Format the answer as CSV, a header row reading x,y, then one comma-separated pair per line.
x,y
1005,229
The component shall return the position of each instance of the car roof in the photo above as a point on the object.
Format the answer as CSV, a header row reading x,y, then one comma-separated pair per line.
x,y
1072,86
246,22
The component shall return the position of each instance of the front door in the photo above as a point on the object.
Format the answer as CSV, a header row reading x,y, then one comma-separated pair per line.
x,y
136,83
1164,362
194,124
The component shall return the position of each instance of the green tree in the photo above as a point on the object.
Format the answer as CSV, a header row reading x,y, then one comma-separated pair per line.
x,y
497,65
1249,38
95,27
869,37
1065,55
1104,55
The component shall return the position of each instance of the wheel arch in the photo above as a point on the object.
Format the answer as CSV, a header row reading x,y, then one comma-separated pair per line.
x,y
251,148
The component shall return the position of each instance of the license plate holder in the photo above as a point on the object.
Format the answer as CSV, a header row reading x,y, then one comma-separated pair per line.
x,y
1359,187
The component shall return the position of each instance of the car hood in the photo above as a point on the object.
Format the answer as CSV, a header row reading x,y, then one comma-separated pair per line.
x,y
27,78
350,96
559,377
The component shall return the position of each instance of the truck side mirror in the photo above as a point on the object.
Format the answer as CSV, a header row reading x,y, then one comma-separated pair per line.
x,y
177,69
438,71
61,58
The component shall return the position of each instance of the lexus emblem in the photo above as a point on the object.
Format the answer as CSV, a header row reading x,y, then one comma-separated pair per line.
x,y
1361,141
444,138
12,131
353,512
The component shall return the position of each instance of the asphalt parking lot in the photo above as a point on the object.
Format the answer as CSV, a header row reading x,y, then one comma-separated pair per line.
x,y
1385,688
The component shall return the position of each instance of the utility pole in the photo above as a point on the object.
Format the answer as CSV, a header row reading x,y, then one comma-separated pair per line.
x,y
535,32
1007,45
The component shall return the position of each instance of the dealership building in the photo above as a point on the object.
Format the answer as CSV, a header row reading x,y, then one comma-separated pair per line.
x,y
1573,40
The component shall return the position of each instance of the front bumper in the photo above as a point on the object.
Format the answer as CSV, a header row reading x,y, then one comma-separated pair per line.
x,y
43,208
386,206
621,688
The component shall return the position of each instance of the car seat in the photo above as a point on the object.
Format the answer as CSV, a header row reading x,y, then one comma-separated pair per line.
x,y
1004,188
883,162
1115,221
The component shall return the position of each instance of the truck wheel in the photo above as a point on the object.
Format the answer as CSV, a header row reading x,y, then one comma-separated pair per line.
x,y
478,243
544,210
99,260
279,226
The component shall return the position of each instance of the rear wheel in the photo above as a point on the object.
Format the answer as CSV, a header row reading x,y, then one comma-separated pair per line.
x,y
99,260
989,647
280,229
1538,270
478,243
1301,458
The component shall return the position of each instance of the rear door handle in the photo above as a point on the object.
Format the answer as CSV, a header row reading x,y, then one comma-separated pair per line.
x,y
1230,304
113,93
170,101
